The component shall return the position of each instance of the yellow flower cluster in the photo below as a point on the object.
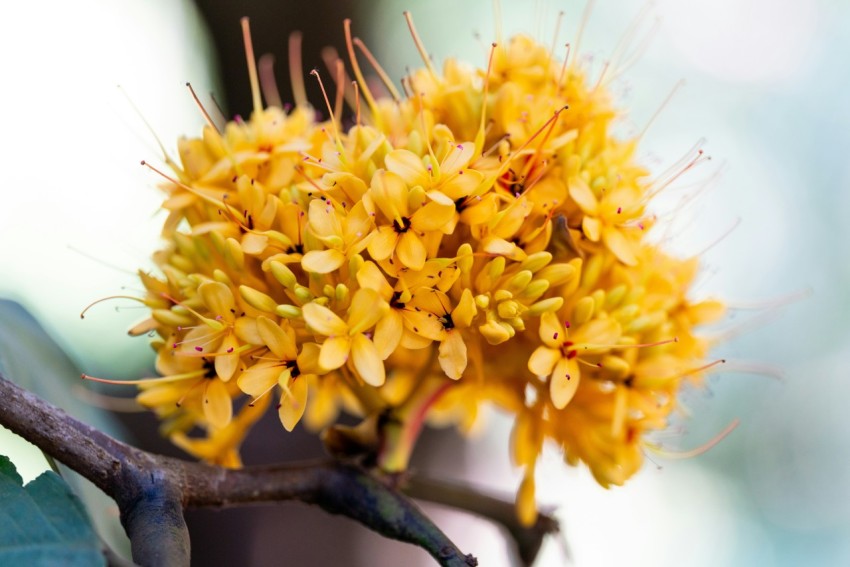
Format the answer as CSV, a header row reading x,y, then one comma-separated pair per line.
x,y
480,238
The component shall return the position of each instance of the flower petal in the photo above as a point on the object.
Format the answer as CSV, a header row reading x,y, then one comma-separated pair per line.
x,y
281,343
389,192
383,244
551,331
322,261
592,228
218,408
370,276
388,333
367,308
408,166
621,246
218,298
465,310
582,194
564,382
323,219
452,356
367,361
433,216
293,401
411,252
334,352
323,321
227,363
543,360
258,380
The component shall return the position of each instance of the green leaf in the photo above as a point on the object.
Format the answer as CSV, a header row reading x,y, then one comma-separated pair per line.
x,y
43,523
30,358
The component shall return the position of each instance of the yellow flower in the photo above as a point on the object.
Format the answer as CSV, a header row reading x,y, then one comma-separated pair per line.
x,y
344,338
559,354
480,240
284,367
409,233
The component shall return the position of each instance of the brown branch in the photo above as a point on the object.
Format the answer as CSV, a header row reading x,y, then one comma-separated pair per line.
x,y
528,539
147,486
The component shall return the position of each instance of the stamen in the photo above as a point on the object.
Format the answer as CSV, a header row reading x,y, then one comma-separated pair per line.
x,y
159,380
675,171
720,238
182,185
702,368
638,51
203,110
668,454
262,395
378,69
481,130
556,34
95,302
358,74
210,322
116,404
191,389
529,166
168,161
336,67
252,64
756,368
322,190
627,37
679,84
495,145
507,162
218,107
268,83
423,53
497,19
585,16
102,262
774,303
340,88
296,72
589,346
357,120
336,138
425,133
563,70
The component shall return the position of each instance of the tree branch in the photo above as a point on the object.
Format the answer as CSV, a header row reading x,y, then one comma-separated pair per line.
x,y
528,539
151,490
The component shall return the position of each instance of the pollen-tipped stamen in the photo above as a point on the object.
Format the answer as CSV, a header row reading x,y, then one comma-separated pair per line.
x,y
378,69
102,299
336,139
358,74
141,381
420,46
252,64
669,454
198,102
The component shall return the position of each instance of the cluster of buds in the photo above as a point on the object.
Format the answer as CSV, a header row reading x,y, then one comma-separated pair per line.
x,y
478,237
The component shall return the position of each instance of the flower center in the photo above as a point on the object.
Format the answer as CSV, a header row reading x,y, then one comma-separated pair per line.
x,y
403,227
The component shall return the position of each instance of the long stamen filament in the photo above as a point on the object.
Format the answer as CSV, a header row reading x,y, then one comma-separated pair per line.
x,y
252,64
101,300
159,380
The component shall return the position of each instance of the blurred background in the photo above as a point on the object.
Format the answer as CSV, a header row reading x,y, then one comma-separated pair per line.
x,y
765,84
